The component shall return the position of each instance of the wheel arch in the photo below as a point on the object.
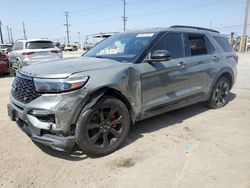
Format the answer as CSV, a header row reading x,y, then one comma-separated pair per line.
x,y
228,73
96,95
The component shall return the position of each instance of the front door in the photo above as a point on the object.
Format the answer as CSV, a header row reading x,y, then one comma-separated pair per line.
x,y
163,82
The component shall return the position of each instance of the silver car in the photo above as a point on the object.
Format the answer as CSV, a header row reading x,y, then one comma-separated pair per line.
x,y
27,52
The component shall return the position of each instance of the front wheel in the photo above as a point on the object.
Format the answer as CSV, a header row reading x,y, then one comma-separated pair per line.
x,y
103,128
220,93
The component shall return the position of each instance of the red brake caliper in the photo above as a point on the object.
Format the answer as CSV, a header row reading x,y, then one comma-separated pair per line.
x,y
112,119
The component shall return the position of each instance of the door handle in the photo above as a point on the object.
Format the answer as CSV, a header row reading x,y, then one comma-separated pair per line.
x,y
181,64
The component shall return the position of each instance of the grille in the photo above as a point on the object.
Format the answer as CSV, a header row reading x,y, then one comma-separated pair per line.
x,y
23,90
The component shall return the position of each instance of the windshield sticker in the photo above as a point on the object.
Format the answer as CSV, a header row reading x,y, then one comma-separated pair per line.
x,y
145,35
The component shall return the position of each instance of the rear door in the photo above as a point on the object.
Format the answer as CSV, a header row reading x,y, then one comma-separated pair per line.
x,y
199,63
163,82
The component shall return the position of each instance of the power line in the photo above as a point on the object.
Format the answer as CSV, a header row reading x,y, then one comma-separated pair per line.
x,y
201,5
94,8
56,17
230,27
24,31
66,13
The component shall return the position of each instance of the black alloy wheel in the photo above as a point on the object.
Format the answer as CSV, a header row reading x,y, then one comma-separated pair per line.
x,y
220,93
103,128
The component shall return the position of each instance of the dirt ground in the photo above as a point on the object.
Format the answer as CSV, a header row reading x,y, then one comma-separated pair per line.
x,y
192,147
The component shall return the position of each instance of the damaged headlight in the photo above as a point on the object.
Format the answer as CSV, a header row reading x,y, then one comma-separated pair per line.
x,y
59,85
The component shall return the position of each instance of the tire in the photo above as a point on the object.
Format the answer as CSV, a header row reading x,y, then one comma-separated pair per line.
x,y
220,93
103,128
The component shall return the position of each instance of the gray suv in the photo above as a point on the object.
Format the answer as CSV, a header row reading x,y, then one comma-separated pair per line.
x,y
92,100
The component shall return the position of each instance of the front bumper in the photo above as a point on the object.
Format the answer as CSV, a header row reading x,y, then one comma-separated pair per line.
x,y
56,142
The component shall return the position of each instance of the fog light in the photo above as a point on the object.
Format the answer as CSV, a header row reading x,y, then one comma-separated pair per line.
x,y
39,112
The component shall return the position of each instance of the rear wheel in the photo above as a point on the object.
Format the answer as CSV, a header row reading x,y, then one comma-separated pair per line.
x,y
220,93
104,127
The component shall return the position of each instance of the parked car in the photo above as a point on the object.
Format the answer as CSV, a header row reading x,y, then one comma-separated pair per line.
x,y
5,48
4,63
27,52
70,47
92,100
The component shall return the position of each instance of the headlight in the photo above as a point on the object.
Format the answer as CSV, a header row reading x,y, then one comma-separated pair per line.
x,y
59,85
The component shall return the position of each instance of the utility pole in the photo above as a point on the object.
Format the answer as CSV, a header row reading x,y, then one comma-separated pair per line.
x,y
79,37
24,31
211,22
8,32
66,13
11,37
243,39
124,18
1,34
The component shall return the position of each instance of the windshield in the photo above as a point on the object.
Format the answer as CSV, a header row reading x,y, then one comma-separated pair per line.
x,y
124,47
39,45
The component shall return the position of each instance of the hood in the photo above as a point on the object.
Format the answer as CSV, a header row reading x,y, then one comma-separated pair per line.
x,y
62,68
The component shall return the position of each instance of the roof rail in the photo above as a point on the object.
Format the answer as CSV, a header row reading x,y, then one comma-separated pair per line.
x,y
193,27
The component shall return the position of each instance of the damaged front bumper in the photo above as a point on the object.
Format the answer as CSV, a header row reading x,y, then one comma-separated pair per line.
x,y
56,142
49,119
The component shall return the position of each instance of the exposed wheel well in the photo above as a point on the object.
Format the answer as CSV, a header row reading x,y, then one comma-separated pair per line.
x,y
117,94
228,76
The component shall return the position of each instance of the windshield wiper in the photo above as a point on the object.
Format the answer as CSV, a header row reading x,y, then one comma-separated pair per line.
x,y
102,57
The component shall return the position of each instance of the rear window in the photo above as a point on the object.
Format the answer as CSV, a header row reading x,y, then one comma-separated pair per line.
x,y
18,46
39,45
223,42
197,44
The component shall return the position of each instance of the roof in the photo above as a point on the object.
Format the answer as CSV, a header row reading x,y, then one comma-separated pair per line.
x,y
178,28
32,40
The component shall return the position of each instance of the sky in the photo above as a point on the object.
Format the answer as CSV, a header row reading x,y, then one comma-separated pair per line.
x,y
45,19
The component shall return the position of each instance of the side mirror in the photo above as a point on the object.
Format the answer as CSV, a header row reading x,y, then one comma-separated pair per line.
x,y
160,55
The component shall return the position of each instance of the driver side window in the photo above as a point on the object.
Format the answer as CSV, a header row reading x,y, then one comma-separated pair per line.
x,y
172,42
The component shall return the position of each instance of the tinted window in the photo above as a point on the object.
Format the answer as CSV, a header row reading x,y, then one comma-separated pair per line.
x,y
210,47
197,44
18,46
171,42
39,45
223,42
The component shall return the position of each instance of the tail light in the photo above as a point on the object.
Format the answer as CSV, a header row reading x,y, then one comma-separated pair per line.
x,y
236,57
28,53
56,51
